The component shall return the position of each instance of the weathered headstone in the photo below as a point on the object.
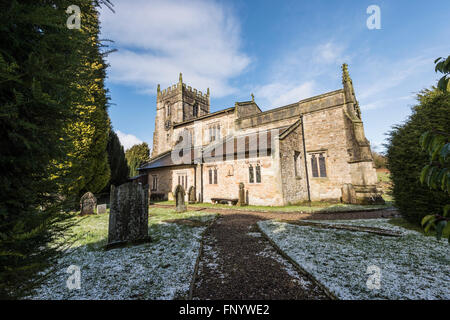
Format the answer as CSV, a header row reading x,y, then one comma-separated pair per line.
x,y
101,209
88,202
241,201
191,195
348,194
128,218
179,198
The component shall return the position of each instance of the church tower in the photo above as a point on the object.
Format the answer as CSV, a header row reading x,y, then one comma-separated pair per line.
x,y
175,105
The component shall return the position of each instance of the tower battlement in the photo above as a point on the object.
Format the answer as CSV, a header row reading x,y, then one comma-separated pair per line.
x,y
182,87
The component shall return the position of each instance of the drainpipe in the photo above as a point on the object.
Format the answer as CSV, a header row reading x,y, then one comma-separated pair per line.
x,y
201,177
306,161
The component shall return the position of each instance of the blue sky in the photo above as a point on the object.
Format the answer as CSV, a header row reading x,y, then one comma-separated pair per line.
x,y
282,51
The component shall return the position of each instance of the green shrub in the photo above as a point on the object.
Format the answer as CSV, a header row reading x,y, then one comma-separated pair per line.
x,y
406,157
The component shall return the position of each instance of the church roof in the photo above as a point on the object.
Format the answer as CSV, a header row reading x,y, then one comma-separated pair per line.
x,y
213,151
209,115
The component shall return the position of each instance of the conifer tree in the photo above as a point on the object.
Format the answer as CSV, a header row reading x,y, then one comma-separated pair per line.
x,y
46,70
136,156
117,161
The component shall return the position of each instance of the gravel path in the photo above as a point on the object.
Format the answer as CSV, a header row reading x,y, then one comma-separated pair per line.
x,y
238,263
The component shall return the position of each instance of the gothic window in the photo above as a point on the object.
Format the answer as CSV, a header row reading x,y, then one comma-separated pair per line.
x,y
314,168
322,166
251,177
214,132
154,183
195,110
212,175
258,173
182,180
297,163
318,165
168,110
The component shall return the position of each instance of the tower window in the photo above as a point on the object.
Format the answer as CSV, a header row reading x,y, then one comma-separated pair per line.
x,y
168,110
195,110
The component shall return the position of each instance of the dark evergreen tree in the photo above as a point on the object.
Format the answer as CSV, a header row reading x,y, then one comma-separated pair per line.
x,y
117,161
136,156
406,157
42,68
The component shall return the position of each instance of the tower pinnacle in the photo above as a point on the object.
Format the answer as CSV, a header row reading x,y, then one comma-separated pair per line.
x,y
181,78
345,74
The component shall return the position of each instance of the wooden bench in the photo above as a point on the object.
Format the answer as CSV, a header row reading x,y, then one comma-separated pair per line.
x,y
231,202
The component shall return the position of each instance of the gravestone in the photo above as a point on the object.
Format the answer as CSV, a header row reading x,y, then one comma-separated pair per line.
x,y
241,201
101,209
88,202
128,218
348,194
191,195
179,198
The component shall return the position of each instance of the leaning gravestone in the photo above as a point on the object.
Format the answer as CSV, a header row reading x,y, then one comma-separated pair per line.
x,y
101,209
179,198
88,202
241,201
128,218
191,195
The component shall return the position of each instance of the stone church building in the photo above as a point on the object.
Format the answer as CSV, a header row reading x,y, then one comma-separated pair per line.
x,y
311,150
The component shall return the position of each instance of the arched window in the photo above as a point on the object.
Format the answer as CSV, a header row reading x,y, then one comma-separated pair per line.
x,y
168,110
210,176
322,166
195,110
314,168
251,177
215,175
297,161
258,173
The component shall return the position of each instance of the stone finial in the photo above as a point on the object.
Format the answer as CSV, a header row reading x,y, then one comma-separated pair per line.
x,y
158,90
253,97
207,92
345,74
181,78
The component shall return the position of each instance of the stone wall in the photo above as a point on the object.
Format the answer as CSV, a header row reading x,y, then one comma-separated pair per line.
x,y
292,161
231,173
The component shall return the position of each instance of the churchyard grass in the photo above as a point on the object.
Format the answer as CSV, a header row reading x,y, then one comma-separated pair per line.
x,y
314,207
411,266
160,269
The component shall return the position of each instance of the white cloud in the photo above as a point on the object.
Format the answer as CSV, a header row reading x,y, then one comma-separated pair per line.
x,y
278,94
128,140
299,74
160,38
